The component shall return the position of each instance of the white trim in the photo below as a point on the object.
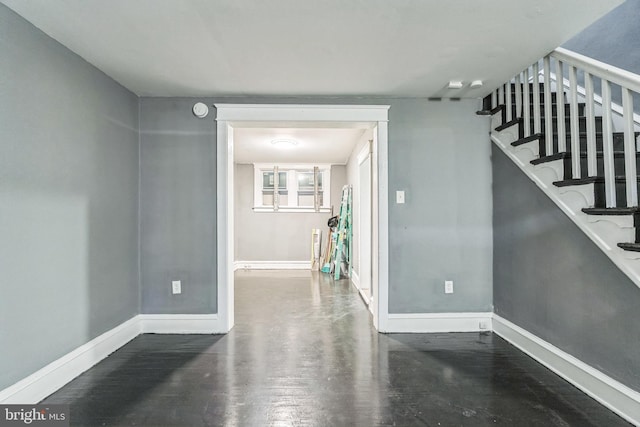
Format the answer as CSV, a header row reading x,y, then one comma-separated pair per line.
x,y
438,322
597,99
614,395
355,279
230,114
367,300
600,69
56,374
224,226
300,113
364,152
290,209
180,324
292,166
272,265
380,245
47,380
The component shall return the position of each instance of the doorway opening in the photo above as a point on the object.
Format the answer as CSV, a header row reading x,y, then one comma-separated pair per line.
x,y
237,121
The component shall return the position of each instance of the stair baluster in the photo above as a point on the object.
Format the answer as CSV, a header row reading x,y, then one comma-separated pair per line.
x,y
562,132
548,121
592,149
574,125
592,160
607,146
527,102
536,99
629,149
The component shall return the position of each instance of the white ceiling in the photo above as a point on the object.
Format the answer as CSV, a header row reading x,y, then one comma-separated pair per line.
x,y
309,47
314,145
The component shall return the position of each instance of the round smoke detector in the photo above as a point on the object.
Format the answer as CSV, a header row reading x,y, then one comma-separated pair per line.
x,y
200,110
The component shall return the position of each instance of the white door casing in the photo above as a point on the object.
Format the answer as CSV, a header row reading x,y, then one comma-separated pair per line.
x,y
364,218
230,114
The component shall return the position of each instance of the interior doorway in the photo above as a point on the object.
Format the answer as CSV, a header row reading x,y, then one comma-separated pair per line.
x,y
231,118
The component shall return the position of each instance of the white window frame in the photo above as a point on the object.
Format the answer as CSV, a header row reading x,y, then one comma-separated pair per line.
x,y
292,186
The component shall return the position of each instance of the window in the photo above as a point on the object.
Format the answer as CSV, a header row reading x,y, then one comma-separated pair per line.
x,y
268,188
299,188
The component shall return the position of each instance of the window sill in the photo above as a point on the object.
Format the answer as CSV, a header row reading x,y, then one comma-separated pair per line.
x,y
290,209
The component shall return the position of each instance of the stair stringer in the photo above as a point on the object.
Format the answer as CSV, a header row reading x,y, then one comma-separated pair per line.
x,y
606,231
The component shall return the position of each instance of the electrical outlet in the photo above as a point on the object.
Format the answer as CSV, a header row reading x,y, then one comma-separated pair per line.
x,y
399,197
448,287
176,287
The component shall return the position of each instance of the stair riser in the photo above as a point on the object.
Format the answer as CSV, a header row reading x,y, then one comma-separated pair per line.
x,y
554,98
540,85
618,143
618,167
582,124
554,110
621,194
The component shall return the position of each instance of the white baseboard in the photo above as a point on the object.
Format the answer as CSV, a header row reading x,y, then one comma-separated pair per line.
x,y
355,279
614,395
438,322
56,374
180,324
272,265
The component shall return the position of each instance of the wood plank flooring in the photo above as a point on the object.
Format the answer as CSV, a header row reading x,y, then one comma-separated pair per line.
x,y
303,352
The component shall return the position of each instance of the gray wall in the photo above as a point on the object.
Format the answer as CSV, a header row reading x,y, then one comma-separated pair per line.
x,y
68,200
614,38
438,153
177,208
552,280
277,236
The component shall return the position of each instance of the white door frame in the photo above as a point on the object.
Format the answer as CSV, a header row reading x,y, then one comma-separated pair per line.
x,y
227,115
365,223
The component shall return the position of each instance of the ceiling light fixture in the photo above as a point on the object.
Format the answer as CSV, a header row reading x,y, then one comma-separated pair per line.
x,y
283,142
476,84
455,84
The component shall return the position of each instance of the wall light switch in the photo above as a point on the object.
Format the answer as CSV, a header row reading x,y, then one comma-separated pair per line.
x,y
399,196
176,287
448,287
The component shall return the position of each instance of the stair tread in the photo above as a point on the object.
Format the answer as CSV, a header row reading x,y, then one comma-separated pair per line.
x,y
549,158
575,181
508,124
526,139
567,155
611,211
635,247
491,111
588,180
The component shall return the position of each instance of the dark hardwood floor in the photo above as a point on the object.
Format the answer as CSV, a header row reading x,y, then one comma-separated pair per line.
x,y
303,352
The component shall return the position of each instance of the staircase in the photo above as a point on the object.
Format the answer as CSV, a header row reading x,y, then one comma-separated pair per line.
x,y
578,146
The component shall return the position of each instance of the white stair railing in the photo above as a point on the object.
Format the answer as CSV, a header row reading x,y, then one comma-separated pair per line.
x,y
550,73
